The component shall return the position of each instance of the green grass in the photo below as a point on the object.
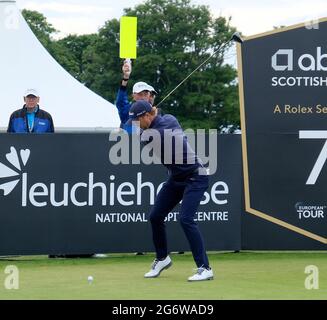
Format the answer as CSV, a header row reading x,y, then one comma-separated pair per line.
x,y
245,275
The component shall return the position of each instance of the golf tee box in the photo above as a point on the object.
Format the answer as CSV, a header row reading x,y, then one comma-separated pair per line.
x,y
128,37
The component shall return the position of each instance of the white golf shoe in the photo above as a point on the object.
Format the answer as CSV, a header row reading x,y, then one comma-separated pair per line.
x,y
158,266
202,274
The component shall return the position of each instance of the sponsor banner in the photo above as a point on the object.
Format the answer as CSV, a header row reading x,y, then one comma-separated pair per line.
x,y
64,193
283,79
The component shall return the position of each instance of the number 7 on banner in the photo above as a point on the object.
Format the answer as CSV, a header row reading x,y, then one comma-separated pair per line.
x,y
128,37
316,134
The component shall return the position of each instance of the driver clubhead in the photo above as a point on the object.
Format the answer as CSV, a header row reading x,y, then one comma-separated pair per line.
x,y
236,37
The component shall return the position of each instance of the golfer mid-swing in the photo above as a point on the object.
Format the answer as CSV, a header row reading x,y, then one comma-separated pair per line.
x,y
187,181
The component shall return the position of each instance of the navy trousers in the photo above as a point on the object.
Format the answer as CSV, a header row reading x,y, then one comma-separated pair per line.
x,y
191,192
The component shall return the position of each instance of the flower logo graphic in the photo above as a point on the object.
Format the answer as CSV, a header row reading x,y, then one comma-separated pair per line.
x,y
6,172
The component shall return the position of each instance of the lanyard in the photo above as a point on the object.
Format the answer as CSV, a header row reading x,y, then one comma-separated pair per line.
x,y
30,127
31,116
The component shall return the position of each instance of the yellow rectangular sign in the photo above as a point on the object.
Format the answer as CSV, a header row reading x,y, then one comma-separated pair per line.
x,y
128,37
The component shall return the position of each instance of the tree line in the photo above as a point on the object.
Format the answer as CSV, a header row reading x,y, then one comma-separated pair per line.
x,y
174,37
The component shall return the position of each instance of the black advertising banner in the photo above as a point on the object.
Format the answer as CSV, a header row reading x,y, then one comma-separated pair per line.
x,y
283,85
62,193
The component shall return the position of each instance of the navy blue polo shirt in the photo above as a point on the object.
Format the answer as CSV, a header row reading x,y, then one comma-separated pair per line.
x,y
175,152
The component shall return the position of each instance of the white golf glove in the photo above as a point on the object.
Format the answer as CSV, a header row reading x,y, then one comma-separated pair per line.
x,y
127,68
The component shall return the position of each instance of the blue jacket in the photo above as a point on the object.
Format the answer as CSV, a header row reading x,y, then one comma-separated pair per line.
x,y
18,122
123,106
180,162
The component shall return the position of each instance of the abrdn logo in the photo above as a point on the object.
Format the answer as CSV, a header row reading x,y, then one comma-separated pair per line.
x,y
112,193
305,62
284,60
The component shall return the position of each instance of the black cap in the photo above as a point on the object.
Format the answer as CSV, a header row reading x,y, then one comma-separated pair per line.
x,y
139,108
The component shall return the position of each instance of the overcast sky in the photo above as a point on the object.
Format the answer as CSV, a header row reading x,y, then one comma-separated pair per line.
x,y
248,16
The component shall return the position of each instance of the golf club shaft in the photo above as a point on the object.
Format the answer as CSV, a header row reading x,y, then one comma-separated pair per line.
x,y
204,62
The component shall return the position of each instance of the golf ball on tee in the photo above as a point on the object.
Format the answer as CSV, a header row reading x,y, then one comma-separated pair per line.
x,y
89,279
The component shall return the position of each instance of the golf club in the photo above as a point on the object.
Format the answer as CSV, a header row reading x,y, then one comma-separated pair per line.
x,y
236,37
